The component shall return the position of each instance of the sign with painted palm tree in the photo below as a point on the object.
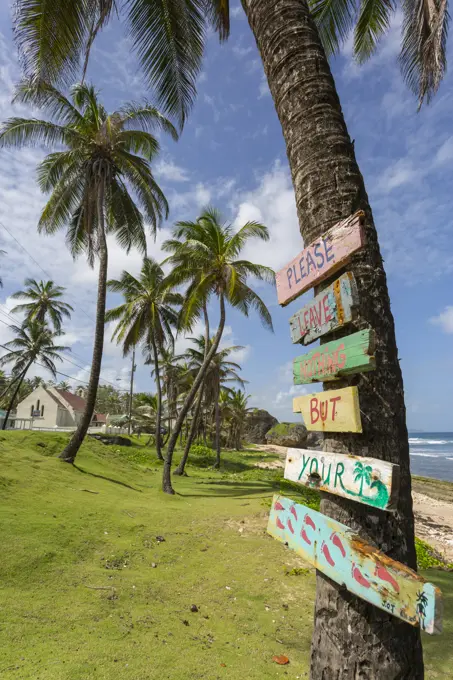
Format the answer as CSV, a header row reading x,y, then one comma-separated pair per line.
x,y
337,551
365,480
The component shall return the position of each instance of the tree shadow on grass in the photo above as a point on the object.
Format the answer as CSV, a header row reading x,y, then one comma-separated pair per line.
x,y
219,489
107,479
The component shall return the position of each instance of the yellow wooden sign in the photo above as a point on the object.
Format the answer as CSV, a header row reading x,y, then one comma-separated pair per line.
x,y
331,411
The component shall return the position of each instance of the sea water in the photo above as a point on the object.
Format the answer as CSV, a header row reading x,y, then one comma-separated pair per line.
x,y
432,454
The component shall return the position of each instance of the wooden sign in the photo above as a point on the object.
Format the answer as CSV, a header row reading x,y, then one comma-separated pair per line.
x,y
331,309
321,259
331,411
365,480
364,570
352,354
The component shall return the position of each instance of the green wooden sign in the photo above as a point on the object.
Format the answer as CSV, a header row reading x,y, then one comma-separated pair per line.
x,y
352,354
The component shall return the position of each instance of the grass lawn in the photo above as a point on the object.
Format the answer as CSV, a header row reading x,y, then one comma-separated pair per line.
x,y
80,595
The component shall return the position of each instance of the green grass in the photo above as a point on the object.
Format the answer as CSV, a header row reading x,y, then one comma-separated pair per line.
x,y
81,598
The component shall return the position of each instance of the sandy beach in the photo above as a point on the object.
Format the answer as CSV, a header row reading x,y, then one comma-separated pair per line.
x,y
433,506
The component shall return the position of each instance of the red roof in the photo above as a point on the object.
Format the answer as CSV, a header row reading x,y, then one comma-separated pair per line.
x,y
77,403
100,417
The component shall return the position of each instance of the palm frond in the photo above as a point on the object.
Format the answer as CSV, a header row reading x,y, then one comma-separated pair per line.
x,y
334,20
168,36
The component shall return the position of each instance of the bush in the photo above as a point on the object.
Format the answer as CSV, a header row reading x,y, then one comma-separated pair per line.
x,y
202,456
428,557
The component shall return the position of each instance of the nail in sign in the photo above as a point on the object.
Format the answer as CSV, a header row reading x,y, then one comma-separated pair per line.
x,y
331,411
320,259
333,308
336,551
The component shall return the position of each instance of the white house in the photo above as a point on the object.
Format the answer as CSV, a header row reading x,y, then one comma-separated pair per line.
x,y
49,407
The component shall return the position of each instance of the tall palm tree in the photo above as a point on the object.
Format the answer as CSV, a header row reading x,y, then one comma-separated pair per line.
x,y
167,36
147,315
105,155
204,255
328,187
33,343
237,410
219,372
44,300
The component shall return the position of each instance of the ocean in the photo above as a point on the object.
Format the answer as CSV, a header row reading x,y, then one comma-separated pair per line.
x,y
432,454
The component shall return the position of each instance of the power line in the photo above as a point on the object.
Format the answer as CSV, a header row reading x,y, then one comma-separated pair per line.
x,y
43,270
64,357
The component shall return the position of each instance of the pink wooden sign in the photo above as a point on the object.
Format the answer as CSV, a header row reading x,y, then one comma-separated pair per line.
x,y
320,259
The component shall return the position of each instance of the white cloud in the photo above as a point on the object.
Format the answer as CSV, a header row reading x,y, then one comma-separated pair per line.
x,y
285,399
237,12
399,173
444,319
168,170
445,152
264,87
273,204
241,52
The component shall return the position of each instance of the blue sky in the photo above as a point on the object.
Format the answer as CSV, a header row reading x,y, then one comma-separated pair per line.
x,y
232,155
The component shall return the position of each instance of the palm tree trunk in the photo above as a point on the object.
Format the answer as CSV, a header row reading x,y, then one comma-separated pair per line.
x,y
180,470
166,480
159,399
217,428
70,451
351,638
16,392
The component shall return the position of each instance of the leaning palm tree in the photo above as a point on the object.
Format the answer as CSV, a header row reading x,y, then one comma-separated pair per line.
x,y
237,411
204,255
44,300
33,343
105,156
220,372
147,315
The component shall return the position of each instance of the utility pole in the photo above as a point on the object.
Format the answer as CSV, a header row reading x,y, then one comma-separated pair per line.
x,y
131,391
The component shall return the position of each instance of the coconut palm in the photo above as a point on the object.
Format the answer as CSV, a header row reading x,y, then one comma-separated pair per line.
x,y
236,409
33,343
204,255
44,302
167,36
147,315
105,155
423,56
328,187
219,372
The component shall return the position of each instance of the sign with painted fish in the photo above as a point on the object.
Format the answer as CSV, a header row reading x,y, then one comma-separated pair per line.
x,y
352,354
330,310
336,551
365,480
331,411
321,258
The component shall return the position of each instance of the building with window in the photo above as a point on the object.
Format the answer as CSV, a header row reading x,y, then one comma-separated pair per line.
x,y
50,408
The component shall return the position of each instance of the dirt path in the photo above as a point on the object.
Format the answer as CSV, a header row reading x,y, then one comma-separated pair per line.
x,y
433,515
